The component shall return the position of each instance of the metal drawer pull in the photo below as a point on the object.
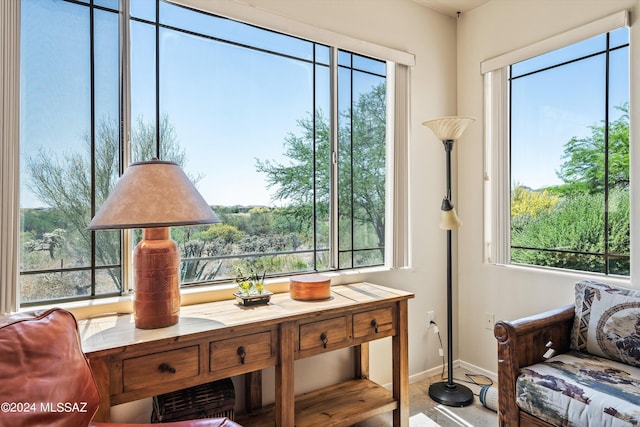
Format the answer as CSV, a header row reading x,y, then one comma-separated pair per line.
x,y
374,325
242,353
165,367
324,339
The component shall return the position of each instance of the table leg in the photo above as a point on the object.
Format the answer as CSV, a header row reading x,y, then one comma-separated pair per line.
x,y
285,410
400,344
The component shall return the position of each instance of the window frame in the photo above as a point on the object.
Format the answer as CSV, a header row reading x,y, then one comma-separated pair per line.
x,y
497,150
396,200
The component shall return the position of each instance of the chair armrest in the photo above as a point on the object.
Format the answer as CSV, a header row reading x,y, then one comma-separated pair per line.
x,y
208,422
522,343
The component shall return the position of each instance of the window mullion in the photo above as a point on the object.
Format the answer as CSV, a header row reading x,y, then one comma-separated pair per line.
x,y
333,205
607,259
92,55
125,133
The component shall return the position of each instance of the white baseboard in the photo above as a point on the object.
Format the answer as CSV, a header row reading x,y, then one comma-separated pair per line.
x,y
456,364
478,370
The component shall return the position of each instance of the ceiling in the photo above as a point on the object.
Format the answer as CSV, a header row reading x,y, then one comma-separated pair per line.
x,y
452,7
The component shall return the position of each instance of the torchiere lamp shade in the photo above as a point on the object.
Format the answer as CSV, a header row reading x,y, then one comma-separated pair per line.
x,y
449,128
153,196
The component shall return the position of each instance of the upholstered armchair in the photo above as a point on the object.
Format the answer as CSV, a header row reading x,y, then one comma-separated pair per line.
x,y
45,379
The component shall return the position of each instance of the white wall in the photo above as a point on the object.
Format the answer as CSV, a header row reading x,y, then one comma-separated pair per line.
x,y
431,36
493,29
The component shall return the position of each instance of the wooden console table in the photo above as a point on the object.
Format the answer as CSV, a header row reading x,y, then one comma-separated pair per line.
x,y
223,339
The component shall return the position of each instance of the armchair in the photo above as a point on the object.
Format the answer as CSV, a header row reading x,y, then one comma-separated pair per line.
x,y
45,379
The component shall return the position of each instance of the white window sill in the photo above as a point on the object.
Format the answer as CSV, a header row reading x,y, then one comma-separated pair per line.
x,y
192,295
570,274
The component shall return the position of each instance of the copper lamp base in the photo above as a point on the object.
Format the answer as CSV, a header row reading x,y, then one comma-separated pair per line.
x,y
156,264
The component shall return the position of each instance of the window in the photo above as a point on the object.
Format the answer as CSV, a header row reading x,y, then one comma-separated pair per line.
x,y
285,137
567,178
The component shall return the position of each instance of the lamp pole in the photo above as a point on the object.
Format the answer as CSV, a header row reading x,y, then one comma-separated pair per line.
x,y
449,393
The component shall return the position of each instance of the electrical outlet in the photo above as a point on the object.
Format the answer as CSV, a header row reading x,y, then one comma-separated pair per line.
x,y
489,321
431,316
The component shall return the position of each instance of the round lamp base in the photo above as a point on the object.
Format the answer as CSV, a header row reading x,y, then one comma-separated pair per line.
x,y
451,394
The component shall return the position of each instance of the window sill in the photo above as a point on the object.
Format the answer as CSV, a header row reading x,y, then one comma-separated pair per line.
x,y
193,295
575,275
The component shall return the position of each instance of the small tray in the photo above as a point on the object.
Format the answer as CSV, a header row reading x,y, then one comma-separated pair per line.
x,y
258,299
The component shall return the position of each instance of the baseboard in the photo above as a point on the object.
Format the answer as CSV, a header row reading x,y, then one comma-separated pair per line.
x,y
478,370
456,364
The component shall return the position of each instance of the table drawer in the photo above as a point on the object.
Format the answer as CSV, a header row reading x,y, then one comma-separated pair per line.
x,y
373,323
252,349
157,368
324,334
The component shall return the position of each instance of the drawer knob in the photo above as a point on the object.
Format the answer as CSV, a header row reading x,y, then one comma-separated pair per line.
x,y
324,339
165,367
242,353
374,325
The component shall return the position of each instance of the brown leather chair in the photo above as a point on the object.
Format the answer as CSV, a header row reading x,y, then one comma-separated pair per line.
x,y
45,378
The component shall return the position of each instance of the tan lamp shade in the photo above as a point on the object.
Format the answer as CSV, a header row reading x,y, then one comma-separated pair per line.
x,y
448,217
449,128
153,196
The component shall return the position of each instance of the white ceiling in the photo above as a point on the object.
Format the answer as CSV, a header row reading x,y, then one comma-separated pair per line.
x,y
452,7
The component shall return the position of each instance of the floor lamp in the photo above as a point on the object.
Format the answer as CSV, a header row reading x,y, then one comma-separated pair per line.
x,y
448,129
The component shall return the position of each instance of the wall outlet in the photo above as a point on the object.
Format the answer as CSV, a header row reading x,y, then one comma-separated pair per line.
x,y
489,321
431,316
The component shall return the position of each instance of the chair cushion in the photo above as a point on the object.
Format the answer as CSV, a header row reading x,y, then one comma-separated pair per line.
x,y
578,389
607,322
45,379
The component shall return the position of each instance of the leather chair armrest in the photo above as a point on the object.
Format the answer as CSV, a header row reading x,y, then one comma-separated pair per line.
x,y
207,422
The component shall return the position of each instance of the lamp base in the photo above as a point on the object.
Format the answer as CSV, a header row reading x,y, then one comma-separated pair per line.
x,y
156,263
451,394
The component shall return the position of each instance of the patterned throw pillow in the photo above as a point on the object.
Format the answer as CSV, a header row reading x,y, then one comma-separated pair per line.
x,y
607,322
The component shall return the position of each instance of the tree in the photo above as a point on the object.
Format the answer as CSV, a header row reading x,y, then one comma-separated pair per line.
x,y
65,182
583,169
305,181
572,223
526,202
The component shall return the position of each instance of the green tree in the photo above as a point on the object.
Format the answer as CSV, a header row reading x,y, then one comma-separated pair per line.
x,y
64,182
361,160
583,169
575,225
574,221
526,202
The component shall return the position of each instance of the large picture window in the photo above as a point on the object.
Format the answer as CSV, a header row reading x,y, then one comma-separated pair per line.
x,y
570,157
284,137
566,180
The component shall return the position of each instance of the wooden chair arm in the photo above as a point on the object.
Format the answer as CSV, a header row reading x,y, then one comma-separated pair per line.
x,y
523,343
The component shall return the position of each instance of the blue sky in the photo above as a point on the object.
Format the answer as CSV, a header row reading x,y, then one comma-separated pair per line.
x,y
551,107
228,104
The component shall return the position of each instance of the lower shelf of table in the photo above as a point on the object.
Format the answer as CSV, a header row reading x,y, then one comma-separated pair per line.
x,y
342,404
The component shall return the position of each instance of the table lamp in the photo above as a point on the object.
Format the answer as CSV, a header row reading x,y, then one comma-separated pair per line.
x,y
154,196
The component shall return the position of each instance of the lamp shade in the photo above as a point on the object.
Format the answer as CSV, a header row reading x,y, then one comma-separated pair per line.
x,y
153,194
449,128
448,217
